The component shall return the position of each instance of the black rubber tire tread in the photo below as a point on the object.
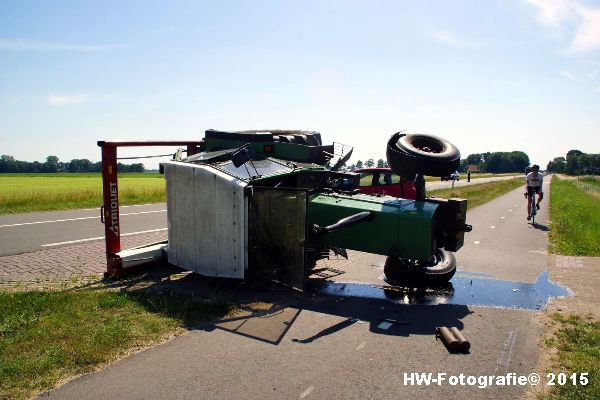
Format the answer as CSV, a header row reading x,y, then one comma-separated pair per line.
x,y
440,270
430,155
300,139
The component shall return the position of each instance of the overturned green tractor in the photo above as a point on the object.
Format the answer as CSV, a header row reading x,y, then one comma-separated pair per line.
x,y
273,203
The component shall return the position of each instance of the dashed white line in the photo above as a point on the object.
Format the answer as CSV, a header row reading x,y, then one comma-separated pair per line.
x,y
502,217
307,392
492,227
506,353
77,219
361,346
476,242
100,237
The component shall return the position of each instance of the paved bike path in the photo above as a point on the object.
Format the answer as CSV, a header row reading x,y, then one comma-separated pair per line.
x,y
337,347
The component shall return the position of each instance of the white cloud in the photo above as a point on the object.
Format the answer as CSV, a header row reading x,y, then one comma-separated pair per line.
x,y
570,76
66,100
60,100
588,33
453,40
41,46
580,20
552,12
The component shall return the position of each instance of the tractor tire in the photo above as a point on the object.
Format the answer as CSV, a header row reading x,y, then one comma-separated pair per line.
x,y
439,270
408,155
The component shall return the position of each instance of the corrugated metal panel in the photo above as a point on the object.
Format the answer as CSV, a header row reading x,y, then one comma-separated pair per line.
x,y
206,212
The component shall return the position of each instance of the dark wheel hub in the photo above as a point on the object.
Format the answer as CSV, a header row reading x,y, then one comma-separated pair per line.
x,y
437,270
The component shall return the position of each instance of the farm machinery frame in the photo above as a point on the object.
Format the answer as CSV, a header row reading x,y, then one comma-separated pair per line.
x,y
272,203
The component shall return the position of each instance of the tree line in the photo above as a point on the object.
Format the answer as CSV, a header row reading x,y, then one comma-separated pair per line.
x,y
370,163
493,162
576,163
52,164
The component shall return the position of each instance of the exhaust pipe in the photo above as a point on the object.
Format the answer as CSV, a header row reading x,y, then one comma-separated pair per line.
x,y
452,339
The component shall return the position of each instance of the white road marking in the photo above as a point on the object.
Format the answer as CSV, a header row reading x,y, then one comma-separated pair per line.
x,y
507,350
97,208
492,227
77,219
101,237
502,217
361,346
509,210
477,242
307,392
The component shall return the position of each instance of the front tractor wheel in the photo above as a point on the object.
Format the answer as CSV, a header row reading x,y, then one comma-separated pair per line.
x,y
438,270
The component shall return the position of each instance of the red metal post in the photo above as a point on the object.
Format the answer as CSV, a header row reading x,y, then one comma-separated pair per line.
x,y
111,209
110,189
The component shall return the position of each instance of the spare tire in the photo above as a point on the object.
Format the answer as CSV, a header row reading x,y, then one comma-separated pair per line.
x,y
408,155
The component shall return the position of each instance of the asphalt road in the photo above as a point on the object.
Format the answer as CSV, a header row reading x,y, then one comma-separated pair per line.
x,y
21,233
324,347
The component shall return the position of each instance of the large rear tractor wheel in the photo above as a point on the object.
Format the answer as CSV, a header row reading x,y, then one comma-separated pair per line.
x,y
438,270
408,155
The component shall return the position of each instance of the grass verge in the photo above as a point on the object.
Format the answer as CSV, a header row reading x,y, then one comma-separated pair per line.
x,y
46,337
44,192
575,215
478,194
577,341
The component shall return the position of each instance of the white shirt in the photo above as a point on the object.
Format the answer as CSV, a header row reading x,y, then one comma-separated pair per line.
x,y
535,180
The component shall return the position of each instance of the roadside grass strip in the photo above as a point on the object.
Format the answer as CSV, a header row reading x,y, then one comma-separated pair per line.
x,y
575,215
44,192
577,341
478,194
46,337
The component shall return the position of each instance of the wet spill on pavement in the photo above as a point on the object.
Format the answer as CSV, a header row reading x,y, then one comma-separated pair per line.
x,y
464,289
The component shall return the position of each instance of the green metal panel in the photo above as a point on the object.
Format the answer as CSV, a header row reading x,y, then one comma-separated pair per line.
x,y
285,151
277,235
405,227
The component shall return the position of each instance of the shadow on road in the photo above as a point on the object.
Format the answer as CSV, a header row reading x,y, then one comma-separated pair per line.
x,y
268,313
541,227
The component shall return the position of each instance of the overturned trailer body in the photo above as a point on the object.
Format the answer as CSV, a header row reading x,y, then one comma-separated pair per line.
x,y
273,203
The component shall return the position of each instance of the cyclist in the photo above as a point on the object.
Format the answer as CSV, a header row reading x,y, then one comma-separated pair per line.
x,y
533,185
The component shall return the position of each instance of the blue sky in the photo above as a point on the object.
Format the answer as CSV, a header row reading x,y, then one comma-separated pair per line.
x,y
486,75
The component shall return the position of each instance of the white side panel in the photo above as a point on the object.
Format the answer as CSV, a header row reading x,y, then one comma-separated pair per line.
x,y
171,202
205,259
141,255
184,220
206,210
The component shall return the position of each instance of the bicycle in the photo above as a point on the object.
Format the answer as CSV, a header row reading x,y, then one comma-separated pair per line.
x,y
532,205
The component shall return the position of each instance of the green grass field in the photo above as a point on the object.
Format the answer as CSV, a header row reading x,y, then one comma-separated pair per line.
x,y
477,194
578,344
367,180
575,216
575,223
42,192
46,337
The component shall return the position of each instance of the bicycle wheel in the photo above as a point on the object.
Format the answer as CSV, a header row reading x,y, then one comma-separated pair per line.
x,y
533,209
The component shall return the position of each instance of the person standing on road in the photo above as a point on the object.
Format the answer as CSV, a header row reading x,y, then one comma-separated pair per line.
x,y
533,185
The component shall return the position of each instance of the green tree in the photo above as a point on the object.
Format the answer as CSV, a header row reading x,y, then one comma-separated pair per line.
x,y
370,163
51,164
557,165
